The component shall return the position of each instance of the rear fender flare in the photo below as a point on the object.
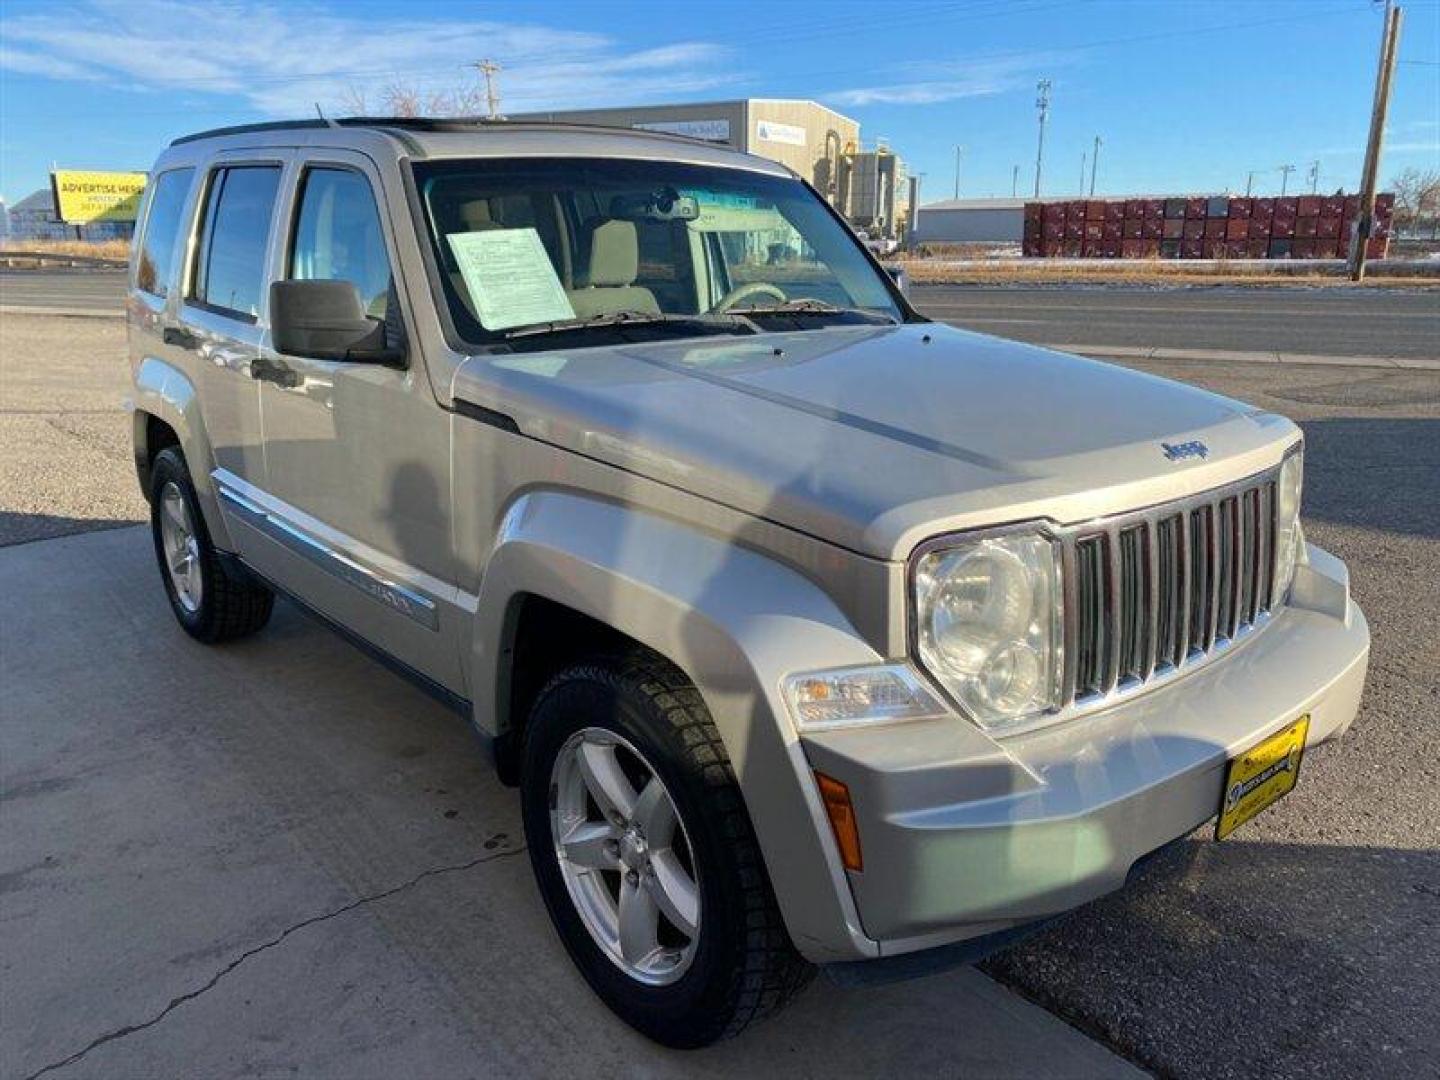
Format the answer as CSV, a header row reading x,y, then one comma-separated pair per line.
x,y
164,391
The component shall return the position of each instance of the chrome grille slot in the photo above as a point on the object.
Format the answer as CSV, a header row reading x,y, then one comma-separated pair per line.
x,y
1167,585
1225,572
1159,591
1133,604
1090,594
1249,556
1200,575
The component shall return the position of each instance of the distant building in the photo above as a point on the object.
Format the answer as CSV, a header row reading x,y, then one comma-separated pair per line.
x,y
959,221
33,218
820,144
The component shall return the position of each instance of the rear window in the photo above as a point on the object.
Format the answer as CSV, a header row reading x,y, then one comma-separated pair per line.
x,y
162,224
230,267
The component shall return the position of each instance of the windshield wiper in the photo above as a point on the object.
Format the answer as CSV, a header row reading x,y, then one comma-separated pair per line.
x,y
713,321
810,306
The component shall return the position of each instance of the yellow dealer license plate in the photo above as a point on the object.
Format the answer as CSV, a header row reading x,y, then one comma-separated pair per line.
x,y
1261,775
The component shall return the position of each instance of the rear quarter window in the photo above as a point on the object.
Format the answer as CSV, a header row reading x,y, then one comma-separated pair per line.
x,y
161,227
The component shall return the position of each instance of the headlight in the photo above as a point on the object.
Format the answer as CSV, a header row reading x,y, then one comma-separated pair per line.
x,y
1287,523
988,624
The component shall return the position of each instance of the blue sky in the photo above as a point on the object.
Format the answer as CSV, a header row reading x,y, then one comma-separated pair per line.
x,y
1188,95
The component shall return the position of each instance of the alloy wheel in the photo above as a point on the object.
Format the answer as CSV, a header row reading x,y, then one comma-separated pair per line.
x,y
625,856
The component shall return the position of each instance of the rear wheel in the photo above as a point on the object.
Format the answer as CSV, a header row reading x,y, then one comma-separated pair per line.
x,y
645,855
210,601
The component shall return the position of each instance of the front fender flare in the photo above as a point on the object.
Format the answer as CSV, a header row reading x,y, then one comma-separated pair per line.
x,y
736,622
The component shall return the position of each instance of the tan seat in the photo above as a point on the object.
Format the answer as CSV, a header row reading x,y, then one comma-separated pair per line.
x,y
608,284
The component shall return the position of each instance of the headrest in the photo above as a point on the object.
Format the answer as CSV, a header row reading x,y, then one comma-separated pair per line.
x,y
614,253
475,215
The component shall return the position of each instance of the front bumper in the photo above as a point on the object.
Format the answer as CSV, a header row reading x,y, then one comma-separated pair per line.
x,y
965,836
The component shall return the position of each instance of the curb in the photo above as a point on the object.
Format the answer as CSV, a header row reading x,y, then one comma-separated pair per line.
x,y
1233,356
61,312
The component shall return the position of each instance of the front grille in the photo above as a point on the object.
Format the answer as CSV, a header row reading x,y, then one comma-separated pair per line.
x,y
1160,589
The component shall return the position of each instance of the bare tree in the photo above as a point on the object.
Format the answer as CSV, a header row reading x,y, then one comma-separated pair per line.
x,y
403,99
353,102
1417,200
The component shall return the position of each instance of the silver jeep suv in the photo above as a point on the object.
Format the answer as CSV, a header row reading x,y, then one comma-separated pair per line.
x,y
813,632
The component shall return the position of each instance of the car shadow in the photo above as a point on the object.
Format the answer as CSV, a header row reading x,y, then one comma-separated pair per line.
x,y
17,527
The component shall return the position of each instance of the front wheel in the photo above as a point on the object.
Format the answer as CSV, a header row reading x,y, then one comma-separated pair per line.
x,y
645,855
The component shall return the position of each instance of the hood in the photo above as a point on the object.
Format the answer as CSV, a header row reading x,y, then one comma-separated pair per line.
x,y
875,438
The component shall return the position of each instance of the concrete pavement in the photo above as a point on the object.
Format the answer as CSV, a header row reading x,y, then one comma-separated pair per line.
x,y
276,856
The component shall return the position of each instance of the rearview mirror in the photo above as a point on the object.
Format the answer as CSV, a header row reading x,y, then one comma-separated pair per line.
x,y
325,321
663,204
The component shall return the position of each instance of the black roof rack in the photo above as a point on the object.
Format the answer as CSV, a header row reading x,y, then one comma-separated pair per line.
x,y
419,123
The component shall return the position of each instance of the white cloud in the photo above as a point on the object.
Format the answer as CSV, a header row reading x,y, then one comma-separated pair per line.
x,y
39,64
949,81
283,59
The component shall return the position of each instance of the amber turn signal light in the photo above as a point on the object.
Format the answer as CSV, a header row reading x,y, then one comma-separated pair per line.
x,y
836,797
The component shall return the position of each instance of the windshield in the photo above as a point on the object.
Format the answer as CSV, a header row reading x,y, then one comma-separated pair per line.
x,y
534,246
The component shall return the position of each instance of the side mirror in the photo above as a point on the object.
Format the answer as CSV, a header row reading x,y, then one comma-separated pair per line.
x,y
901,279
324,320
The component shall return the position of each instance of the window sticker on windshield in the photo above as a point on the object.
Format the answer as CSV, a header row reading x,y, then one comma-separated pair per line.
x,y
510,277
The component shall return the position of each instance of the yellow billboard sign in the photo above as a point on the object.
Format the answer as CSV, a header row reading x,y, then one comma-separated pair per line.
x,y
83,197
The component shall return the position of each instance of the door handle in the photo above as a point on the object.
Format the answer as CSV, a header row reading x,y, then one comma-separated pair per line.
x,y
268,369
180,337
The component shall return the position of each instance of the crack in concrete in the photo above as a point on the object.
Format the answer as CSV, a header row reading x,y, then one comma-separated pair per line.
x,y
214,980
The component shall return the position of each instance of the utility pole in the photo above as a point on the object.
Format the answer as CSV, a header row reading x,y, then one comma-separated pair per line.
x,y
1250,182
1365,223
1015,182
1285,171
959,152
1042,104
1313,175
1094,164
489,69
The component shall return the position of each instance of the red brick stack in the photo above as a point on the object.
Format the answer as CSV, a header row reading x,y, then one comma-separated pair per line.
x,y
1201,227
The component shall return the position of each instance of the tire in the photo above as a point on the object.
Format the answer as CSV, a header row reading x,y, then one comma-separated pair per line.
x,y
741,965
211,602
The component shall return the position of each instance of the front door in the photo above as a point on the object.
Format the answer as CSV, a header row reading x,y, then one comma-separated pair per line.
x,y
357,454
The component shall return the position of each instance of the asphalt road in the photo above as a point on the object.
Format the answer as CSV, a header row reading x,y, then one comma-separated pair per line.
x,y
1327,321
1304,946
87,290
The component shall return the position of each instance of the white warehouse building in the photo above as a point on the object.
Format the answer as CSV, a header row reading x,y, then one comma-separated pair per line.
x,y
959,221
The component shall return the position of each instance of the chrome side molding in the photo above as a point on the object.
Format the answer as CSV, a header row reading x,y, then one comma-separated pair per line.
x,y
396,597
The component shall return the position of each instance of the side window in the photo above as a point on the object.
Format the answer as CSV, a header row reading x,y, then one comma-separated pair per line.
x,y
162,225
338,236
230,266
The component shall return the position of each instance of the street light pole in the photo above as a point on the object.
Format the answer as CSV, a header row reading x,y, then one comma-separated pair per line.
x,y
1285,171
1015,182
1094,164
959,152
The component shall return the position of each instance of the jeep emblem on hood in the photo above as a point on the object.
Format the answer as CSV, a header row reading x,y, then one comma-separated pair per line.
x,y
1180,451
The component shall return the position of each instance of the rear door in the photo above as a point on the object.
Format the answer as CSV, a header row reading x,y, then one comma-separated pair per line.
x,y
217,329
